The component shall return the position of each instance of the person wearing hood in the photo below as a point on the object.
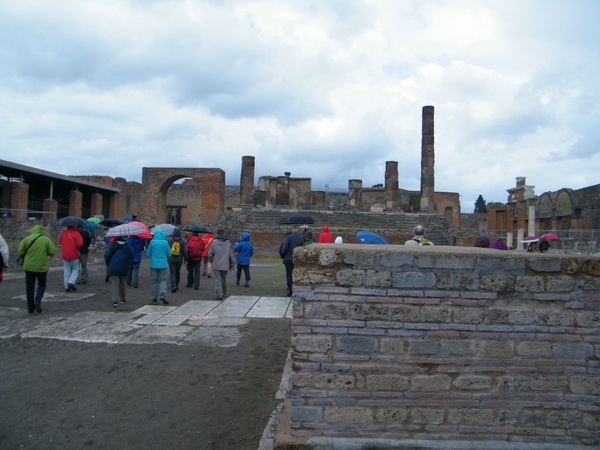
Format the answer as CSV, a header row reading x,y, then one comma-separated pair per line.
x,y
159,253
133,274
195,249
178,256
208,240
339,240
286,251
36,248
222,260
482,241
498,244
118,257
325,237
245,251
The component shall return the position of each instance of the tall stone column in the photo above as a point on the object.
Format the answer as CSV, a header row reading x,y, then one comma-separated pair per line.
x,y
247,180
427,161
355,193
391,185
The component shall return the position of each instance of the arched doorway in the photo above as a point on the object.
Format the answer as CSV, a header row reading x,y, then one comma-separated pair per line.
x,y
204,208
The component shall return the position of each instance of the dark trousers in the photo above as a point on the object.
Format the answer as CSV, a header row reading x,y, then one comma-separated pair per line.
x,y
193,275
246,269
30,278
289,269
175,273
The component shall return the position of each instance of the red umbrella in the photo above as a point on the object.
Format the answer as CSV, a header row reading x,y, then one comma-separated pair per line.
x,y
549,237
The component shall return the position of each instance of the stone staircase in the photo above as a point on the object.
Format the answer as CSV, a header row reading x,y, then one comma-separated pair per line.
x,y
395,223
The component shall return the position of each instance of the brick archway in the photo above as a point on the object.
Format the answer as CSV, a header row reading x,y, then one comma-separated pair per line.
x,y
210,204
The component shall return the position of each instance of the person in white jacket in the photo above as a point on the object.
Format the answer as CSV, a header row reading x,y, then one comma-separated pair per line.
x,y
4,254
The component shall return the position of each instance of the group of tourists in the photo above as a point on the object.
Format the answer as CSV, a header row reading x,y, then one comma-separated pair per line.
x,y
202,255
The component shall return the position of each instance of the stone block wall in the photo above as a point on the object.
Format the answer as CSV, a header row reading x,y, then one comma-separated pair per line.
x,y
443,347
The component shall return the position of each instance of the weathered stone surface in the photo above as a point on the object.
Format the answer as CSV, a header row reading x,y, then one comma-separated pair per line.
x,y
357,344
473,382
309,343
414,280
388,382
424,383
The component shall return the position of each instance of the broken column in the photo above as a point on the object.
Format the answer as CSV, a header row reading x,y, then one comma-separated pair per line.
x,y
391,185
427,161
247,180
355,193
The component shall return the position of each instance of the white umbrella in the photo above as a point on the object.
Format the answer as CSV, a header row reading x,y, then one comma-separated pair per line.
x,y
129,229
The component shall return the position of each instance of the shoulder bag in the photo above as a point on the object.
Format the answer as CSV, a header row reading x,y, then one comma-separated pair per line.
x,y
21,258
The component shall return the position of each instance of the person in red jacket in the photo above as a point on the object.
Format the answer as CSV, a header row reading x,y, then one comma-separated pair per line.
x,y
208,240
70,241
325,237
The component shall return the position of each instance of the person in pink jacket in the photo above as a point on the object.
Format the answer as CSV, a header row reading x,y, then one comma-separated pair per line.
x,y
70,240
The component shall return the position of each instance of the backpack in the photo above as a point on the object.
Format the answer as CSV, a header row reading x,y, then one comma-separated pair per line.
x,y
424,242
175,248
195,248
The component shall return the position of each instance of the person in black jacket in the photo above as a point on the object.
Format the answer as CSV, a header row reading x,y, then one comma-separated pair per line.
x,y
286,251
84,251
118,257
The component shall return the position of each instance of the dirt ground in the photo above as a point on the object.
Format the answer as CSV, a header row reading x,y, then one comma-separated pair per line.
x,y
70,395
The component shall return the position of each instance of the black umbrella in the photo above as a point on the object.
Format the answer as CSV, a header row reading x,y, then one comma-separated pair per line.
x,y
196,229
296,219
111,222
70,221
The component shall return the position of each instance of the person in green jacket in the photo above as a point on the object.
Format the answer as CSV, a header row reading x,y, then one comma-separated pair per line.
x,y
36,248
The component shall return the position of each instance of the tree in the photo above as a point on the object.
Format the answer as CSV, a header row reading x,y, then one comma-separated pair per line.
x,y
480,205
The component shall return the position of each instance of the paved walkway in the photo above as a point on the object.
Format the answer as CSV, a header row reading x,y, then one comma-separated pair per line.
x,y
210,322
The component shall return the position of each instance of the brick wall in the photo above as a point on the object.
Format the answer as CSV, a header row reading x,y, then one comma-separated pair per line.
x,y
437,347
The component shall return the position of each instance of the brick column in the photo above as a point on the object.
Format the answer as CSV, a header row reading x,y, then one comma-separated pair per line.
x,y
75,201
96,205
50,207
19,197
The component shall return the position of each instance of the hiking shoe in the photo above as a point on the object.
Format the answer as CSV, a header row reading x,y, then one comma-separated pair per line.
x,y
71,287
247,284
164,300
115,304
237,282
123,301
37,307
154,302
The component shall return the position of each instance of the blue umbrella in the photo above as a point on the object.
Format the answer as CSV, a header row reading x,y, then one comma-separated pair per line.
x,y
90,226
368,237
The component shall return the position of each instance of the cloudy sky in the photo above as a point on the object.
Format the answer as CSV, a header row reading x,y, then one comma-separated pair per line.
x,y
326,89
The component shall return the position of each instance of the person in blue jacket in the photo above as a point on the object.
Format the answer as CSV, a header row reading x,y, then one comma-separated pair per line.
x,y
118,256
159,253
244,250
133,275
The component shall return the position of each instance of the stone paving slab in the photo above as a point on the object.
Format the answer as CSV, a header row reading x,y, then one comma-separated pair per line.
x,y
270,307
103,332
172,319
152,334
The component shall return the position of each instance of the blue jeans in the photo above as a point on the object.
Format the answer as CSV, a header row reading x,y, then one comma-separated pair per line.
x,y
193,275
158,283
70,271
30,278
